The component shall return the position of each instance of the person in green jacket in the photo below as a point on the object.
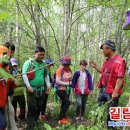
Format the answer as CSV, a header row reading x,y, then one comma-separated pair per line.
x,y
35,82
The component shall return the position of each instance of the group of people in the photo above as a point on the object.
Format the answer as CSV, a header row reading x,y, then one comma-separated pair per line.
x,y
38,81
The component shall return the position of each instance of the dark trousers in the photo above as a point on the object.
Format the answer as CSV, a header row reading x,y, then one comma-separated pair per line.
x,y
3,122
81,103
21,101
34,102
103,98
44,104
65,102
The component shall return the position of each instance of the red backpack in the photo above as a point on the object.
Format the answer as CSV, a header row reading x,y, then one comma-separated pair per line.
x,y
30,75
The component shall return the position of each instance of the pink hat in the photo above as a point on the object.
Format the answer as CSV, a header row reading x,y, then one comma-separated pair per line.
x,y
66,60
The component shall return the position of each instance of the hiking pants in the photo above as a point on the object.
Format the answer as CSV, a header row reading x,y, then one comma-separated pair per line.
x,y
34,103
11,124
81,102
65,103
103,98
3,121
21,101
44,104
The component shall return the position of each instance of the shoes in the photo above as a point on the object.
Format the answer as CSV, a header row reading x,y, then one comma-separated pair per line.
x,y
77,119
63,121
21,122
21,117
44,117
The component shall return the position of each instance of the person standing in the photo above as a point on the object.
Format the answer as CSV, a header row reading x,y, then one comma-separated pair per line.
x,y
112,73
35,83
82,85
63,81
11,124
4,87
49,63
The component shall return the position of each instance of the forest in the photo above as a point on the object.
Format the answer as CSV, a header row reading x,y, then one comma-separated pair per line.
x,y
69,27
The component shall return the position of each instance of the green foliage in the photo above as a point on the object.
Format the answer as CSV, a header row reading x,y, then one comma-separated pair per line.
x,y
5,75
101,19
81,127
47,127
68,126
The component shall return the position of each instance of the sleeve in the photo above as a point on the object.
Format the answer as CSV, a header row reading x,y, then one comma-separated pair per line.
x,y
11,83
26,81
121,70
58,72
129,71
74,80
47,80
46,76
90,81
25,69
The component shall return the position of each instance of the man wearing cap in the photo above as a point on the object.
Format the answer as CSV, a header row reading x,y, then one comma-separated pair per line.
x,y
112,76
49,62
63,80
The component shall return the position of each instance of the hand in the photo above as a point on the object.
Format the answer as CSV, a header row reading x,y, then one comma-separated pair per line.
x,y
30,89
70,83
115,94
48,90
73,91
90,93
92,64
69,77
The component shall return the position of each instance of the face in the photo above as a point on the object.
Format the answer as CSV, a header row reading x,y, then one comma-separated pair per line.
x,y
83,67
39,56
66,67
15,66
11,53
106,50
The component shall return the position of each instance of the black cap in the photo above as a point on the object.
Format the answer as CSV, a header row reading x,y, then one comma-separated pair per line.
x,y
109,43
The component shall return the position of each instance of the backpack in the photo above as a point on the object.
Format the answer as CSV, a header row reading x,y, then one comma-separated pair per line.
x,y
57,87
54,80
30,75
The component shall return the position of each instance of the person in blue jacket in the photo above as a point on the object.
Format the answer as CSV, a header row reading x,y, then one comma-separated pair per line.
x,y
82,84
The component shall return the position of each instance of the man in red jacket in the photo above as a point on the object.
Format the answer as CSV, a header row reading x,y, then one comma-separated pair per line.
x,y
112,76
4,85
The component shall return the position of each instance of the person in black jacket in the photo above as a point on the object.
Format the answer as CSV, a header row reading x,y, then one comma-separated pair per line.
x,y
44,103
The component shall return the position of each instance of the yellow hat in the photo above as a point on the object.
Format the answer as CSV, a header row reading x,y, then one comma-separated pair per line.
x,y
3,50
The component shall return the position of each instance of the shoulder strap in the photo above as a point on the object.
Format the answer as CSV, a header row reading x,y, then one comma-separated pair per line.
x,y
31,62
62,73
